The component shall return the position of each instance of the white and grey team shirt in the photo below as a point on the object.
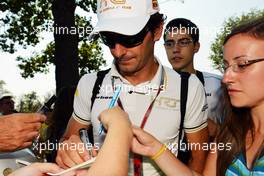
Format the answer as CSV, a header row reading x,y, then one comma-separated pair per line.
x,y
164,119
212,85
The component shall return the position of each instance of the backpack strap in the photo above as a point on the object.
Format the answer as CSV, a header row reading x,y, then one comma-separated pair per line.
x,y
183,99
200,76
97,85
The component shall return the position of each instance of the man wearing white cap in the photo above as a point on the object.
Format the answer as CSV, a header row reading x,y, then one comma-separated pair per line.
x,y
150,92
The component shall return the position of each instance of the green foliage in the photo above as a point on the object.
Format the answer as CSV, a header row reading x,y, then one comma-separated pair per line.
x,y
38,62
217,47
90,56
2,88
24,23
87,5
29,103
84,27
90,59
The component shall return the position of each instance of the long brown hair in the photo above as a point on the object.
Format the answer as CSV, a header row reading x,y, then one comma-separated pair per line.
x,y
238,121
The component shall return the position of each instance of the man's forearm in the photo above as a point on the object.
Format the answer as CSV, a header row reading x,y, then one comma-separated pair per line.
x,y
73,128
196,141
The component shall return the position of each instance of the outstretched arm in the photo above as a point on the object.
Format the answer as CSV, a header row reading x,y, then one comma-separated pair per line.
x,y
18,130
145,144
112,158
37,169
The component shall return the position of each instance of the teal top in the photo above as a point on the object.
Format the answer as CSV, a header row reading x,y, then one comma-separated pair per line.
x,y
239,167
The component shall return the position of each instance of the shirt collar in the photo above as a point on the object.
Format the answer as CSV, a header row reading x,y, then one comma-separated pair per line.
x,y
155,81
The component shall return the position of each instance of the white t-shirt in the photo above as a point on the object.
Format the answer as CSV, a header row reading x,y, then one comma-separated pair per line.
x,y
212,85
164,119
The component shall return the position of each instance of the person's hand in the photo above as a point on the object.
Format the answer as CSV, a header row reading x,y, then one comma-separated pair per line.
x,y
38,169
114,116
144,143
18,130
72,152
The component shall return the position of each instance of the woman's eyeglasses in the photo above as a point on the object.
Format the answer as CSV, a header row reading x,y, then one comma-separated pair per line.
x,y
110,39
240,65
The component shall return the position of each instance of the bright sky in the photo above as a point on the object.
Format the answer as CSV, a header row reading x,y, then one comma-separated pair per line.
x,y
209,15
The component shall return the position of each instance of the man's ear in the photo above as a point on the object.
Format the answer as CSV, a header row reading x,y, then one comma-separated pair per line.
x,y
158,32
196,47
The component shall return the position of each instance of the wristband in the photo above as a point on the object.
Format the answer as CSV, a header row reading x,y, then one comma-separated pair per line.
x,y
160,152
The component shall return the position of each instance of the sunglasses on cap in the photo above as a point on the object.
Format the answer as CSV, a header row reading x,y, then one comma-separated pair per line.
x,y
110,39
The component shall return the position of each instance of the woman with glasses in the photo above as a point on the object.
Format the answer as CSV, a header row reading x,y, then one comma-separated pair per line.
x,y
243,128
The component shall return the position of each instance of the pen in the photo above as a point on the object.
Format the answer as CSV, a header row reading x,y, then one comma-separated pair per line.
x,y
85,139
112,104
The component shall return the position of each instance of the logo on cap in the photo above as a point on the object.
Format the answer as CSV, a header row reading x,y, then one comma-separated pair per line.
x,y
118,1
104,2
106,5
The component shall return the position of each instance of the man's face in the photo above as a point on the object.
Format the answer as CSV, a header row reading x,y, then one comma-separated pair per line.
x,y
131,60
180,50
7,106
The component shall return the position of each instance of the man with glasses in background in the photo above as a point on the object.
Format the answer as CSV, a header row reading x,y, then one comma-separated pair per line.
x,y
181,41
150,92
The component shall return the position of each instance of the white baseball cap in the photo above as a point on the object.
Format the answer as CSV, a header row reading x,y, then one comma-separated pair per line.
x,y
127,17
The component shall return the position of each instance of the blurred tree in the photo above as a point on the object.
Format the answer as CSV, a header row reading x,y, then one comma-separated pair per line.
x,y
2,88
217,47
29,103
26,21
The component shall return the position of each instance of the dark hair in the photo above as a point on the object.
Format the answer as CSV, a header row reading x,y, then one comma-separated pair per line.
x,y
253,27
155,21
238,121
182,23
